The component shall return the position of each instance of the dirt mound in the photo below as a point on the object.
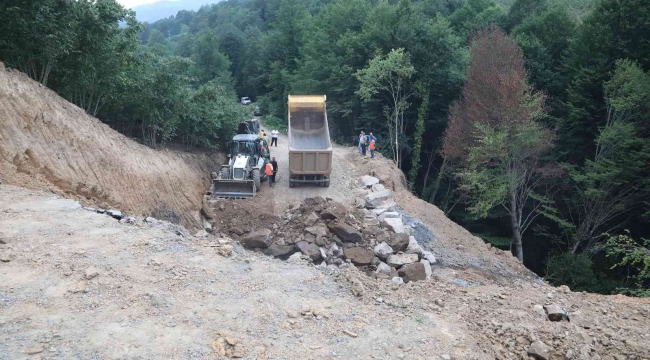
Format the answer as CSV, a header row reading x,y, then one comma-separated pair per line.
x,y
49,144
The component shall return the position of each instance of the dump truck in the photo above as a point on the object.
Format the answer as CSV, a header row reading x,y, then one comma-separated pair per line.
x,y
310,149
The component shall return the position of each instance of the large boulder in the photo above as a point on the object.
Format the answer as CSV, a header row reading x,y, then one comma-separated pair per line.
x,y
280,251
427,268
311,219
555,313
412,272
358,255
413,247
388,205
309,249
428,255
369,181
318,230
399,242
375,199
383,250
395,225
378,187
539,351
398,260
333,211
346,232
388,214
258,239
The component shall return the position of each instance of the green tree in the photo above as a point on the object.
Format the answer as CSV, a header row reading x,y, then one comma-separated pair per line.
x,y
494,135
389,78
209,62
417,139
613,182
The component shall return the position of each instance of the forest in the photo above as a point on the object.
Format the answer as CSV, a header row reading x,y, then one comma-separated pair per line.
x,y
525,121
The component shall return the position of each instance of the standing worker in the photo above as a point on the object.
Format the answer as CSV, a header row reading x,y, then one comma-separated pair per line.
x,y
275,169
361,137
262,134
274,137
372,147
268,170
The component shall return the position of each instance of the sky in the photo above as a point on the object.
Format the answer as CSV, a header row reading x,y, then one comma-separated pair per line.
x,y
131,3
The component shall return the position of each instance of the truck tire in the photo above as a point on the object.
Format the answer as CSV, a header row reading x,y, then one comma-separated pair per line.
x,y
225,173
327,181
256,179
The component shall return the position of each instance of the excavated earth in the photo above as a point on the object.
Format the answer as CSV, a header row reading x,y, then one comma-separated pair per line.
x,y
78,284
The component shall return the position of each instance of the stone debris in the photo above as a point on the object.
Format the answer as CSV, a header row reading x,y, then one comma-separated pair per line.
x,y
539,351
325,232
369,181
258,239
78,288
115,214
227,345
398,260
6,256
350,333
91,273
375,199
555,313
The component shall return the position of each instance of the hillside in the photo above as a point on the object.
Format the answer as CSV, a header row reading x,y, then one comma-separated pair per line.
x,y
47,143
164,9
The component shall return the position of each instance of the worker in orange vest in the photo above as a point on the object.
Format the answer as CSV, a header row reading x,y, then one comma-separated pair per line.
x,y
372,148
268,170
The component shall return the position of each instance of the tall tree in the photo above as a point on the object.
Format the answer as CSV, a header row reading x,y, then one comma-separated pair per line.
x,y
390,78
494,135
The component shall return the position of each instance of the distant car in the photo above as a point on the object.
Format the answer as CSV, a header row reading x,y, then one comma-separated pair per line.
x,y
245,101
257,111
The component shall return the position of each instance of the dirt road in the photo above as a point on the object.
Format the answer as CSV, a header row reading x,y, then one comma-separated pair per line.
x,y
344,178
158,295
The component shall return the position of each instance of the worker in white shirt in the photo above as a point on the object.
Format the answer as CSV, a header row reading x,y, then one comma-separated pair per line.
x,y
274,137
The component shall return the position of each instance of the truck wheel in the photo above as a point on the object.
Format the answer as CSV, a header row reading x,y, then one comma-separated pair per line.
x,y
256,178
327,181
225,173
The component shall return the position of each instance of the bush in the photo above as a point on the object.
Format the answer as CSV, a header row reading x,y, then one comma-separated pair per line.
x,y
576,271
272,122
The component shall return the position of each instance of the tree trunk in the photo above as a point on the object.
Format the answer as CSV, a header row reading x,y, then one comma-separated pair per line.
x,y
516,231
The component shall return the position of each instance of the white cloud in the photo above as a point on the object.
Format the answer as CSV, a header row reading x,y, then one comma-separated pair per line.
x,y
131,3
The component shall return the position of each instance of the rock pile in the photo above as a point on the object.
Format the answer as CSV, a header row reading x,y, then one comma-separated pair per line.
x,y
372,236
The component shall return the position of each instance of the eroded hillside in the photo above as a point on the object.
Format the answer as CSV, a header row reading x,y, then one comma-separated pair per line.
x,y
49,144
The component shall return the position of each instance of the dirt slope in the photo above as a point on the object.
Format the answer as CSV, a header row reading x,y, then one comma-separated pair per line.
x,y
47,143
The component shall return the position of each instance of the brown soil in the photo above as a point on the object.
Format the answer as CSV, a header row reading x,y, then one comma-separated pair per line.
x,y
47,143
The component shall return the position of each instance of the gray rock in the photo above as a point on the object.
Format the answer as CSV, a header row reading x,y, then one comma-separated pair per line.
x,y
311,219
374,200
310,250
395,225
555,313
358,255
399,242
539,351
539,309
427,255
378,211
383,268
318,230
114,214
346,232
378,187
6,256
412,272
398,260
91,272
383,250
280,251
445,357
386,215
258,239
323,253
427,268
333,211
388,205
295,258
101,211
369,181
413,247
149,219
397,280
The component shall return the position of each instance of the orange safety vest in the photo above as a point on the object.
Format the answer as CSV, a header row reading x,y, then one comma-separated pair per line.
x,y
372,144
269,169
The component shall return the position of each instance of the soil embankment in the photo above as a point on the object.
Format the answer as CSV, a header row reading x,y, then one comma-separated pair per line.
x,y
47,143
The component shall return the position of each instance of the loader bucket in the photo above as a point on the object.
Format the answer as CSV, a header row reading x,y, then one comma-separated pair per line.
x,y
233,189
